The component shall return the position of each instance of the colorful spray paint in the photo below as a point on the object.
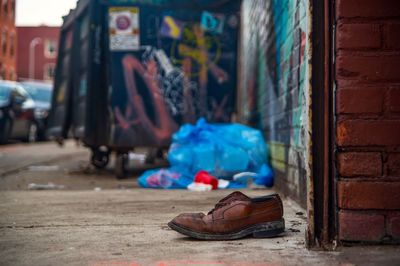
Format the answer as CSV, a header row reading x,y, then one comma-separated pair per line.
x,y
183,67
274,90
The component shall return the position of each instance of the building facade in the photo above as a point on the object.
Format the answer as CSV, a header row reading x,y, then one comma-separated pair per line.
x,y
37,52
8,40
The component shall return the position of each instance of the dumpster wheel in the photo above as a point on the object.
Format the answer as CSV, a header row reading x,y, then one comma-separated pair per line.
x,y
100,158
120,165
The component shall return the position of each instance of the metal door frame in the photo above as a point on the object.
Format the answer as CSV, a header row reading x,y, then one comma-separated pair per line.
x,y
322,211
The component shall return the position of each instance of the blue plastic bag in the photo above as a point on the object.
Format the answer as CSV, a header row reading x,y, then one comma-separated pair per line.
x,y
165,178
220,149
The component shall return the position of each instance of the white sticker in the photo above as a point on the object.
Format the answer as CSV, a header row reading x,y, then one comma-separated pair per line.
x,y
164,62
124,28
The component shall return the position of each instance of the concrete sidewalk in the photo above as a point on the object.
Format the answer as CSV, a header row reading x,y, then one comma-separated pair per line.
x,y
128,227
124,225
15,157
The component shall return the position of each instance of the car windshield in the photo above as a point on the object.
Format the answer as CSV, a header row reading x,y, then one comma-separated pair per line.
x,y
4,92
40,93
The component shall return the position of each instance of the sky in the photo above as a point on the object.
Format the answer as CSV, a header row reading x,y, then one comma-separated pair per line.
x,y
42,12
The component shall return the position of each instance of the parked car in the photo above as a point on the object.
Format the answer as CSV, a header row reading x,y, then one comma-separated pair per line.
x,y
16,113
41,93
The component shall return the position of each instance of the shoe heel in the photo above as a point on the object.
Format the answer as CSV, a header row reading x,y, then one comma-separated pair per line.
x,y
267,234
270,229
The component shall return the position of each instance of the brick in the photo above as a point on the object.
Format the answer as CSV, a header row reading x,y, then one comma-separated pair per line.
x,y
392,34
368,133
394,100
369,195
360,226
358,36
367,8
360,164
369,68
393,164
393,226
363,100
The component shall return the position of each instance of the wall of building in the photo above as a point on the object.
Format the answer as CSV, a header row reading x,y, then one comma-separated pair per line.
x,y
35,44
368,119
274,91
8,40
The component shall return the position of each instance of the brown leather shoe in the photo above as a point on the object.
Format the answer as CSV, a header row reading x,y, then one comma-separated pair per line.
x,y
235,216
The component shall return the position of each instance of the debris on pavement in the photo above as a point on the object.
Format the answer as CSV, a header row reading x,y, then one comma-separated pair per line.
x,y
199,187
43,168
203,177
203,181
165,178
220,150
256,180
48,186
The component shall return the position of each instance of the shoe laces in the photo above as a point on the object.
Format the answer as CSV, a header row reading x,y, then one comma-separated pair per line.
x,y
217,206
222,203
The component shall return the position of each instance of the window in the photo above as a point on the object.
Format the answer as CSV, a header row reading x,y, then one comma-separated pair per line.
x,y
4,42
84,53
12,12
12,44
12,74
83,85
50,48
3,72
68,41
84,26
20,92
49,71
4,8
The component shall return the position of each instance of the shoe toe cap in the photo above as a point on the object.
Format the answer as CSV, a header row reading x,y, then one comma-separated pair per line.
x,y
188,220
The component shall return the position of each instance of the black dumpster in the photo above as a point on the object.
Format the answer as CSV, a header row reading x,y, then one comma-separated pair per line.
x,y
129,73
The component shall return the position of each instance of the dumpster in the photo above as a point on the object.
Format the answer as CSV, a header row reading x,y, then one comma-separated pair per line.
x,y
129,73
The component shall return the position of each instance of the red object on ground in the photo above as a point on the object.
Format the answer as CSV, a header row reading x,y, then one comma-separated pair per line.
x,y
205,178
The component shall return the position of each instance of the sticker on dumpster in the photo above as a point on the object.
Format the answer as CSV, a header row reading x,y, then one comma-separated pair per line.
x,y
171,28
124,28
212,22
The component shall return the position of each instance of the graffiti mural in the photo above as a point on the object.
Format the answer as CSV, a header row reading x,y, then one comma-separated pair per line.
x,y
274,86
184,69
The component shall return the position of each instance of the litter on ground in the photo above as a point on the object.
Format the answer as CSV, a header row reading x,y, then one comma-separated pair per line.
x,y
234,153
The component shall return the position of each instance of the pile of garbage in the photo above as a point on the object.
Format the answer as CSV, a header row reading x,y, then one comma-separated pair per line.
x,y
211,156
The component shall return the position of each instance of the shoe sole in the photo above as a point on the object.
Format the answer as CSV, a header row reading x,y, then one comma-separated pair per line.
x,y
263,230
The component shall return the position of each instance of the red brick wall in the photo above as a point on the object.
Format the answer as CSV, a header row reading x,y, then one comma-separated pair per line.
x,y
8,40
368,119
25,37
